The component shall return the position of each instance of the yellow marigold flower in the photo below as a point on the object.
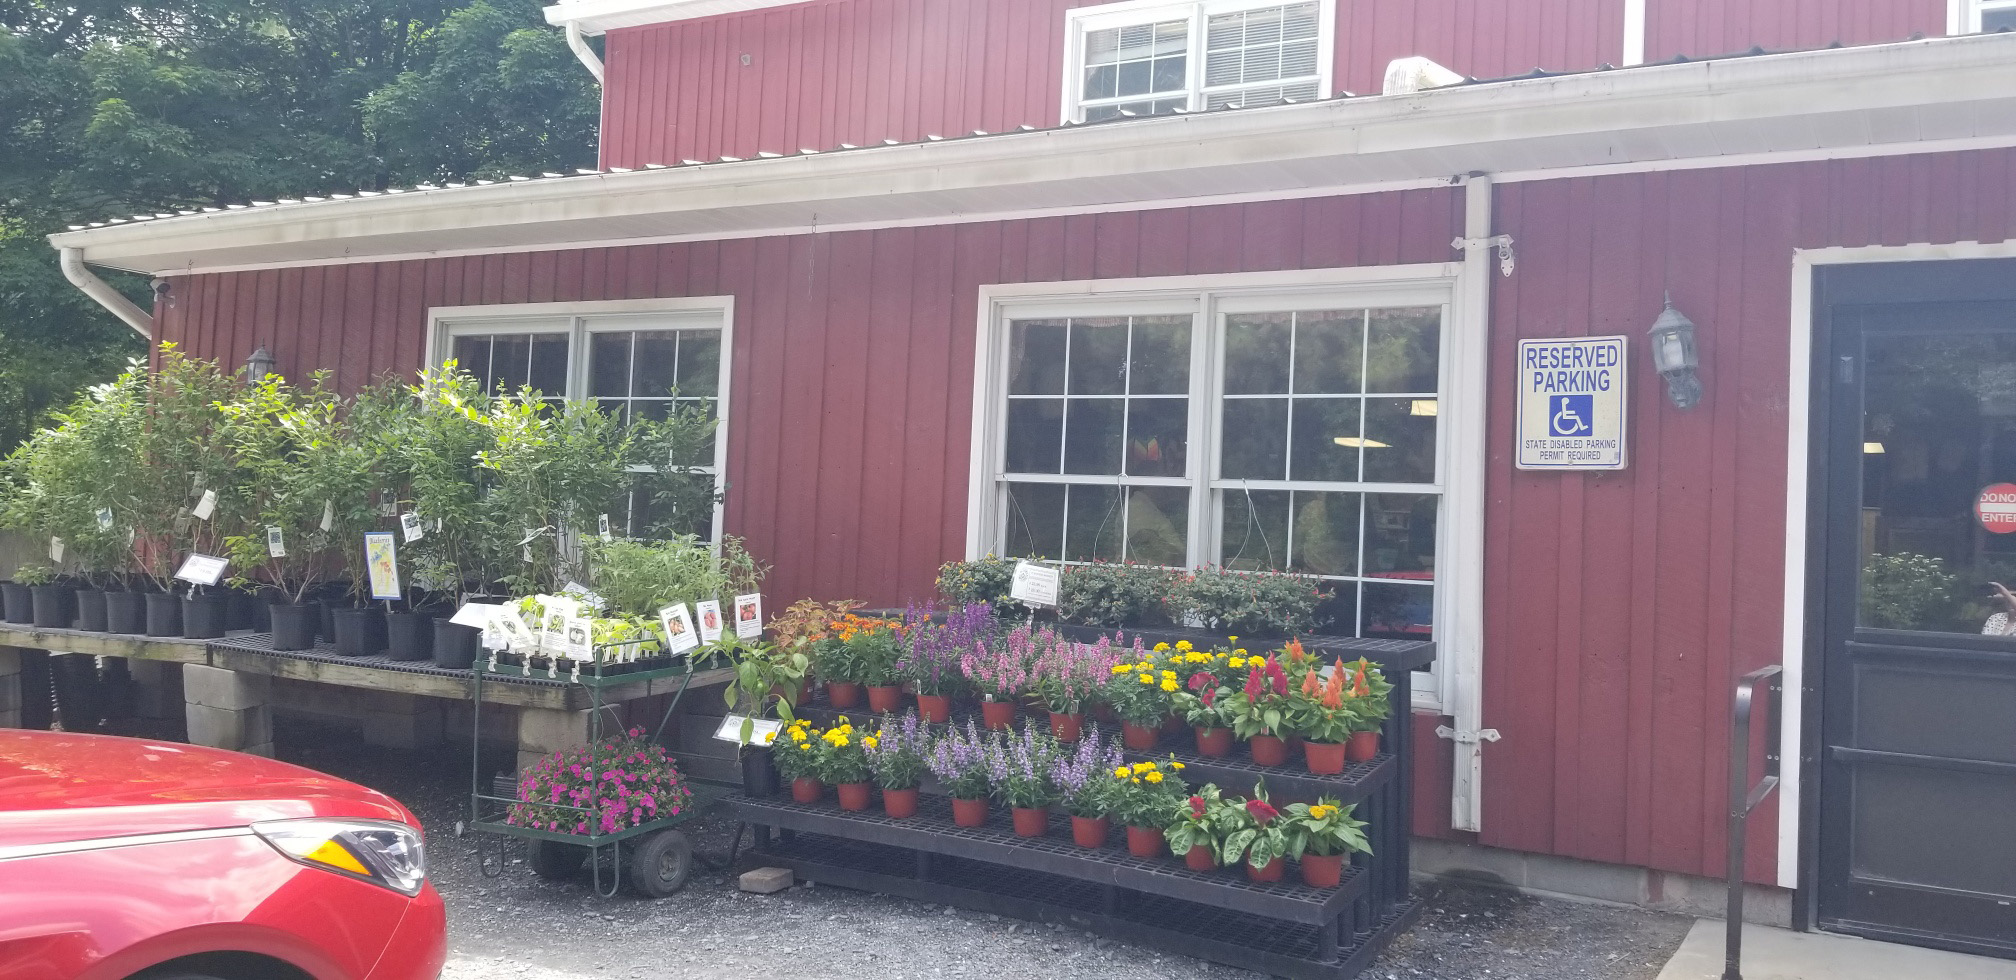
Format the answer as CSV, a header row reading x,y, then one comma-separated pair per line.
x,y
1236,662
1162,647
1169,686
1122,668
1183,645
1137,780
1153,777
1122,772
1176,765
1319,811
807,747
1241,651
869,742
1145,679
1143,766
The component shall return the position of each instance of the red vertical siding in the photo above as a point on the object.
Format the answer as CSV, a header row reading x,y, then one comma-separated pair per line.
x,y
1704,28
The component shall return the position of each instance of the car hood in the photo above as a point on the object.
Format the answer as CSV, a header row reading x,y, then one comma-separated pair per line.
x,y
56,786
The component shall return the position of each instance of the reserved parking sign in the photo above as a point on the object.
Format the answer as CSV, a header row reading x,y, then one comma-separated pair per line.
x,y
1572,403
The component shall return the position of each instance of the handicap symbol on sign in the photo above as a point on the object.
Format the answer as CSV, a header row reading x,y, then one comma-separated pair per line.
x,y
1571,415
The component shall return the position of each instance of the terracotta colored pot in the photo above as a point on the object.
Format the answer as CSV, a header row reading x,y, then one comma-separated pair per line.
x,y
998,715
1145,842
843,694
1324,758
1090,831
970,813
884,698
1319,871
1200,858
1140,738
1214,743
1066,727
1269,750
1031,821
1272,872
805,789
853,796
900,804
936,708
1362,746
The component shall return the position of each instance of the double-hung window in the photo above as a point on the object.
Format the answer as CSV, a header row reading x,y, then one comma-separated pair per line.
x,y
633,358
1982,16
1295,429
1147,58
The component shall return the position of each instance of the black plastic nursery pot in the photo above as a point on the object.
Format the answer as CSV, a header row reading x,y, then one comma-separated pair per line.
x,y
164,614
17,603
409,636
240,610
205,617
91,610
51,605
360,632
759,772
125,612
455,646
293,625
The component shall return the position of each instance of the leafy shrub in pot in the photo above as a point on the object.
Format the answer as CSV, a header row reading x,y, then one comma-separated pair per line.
x,y
1259,603
1115,594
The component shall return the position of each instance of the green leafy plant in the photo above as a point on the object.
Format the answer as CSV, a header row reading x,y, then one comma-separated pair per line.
x,y
1254,831
983,580
637,578
1197,821
34,575
549,471
1906,591
74,479
294,449
182,454
766,681
1115,594
432,450
1145,793
1264,603
1324,828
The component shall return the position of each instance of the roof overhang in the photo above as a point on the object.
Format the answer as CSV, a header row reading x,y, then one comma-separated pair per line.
x,y
1913,96
599,16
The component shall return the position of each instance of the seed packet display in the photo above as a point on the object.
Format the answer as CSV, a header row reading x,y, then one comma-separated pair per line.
x,y
678,624
709,612
749,616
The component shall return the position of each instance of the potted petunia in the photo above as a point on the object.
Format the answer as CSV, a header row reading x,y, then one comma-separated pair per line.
x,y
1258,711
896,757
932,651
1144,794
1323,835
799,756
1195,828
1254,832
1084,777
1022,777
961,759
843,764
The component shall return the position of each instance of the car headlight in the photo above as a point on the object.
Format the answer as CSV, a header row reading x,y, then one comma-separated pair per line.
x,y
378,851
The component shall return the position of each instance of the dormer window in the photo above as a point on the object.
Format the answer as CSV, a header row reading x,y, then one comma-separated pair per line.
x,y
1150,58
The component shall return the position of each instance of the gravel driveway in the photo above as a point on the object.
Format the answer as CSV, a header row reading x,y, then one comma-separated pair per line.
x,y
517,926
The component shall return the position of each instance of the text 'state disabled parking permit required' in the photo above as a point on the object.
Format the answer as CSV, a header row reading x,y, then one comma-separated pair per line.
x,y
1572,403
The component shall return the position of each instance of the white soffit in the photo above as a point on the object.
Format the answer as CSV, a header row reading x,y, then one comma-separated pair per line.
x,y
599,16
1862,101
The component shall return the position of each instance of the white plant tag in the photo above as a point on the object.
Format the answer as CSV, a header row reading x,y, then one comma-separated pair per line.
x,y
328,515
749,616
602,528
56,549
409,523
276,542
579,641
388,502
709,611
202,569
104,518
678,624
205,507
477,614
1034,585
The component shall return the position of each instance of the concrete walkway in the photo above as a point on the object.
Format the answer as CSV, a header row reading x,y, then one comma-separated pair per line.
x,y
1781,954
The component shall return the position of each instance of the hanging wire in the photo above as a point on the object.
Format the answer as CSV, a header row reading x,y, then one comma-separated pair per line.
x,y
1252,526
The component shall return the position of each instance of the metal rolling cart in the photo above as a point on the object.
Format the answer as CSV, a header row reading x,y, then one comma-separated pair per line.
x,y
658,857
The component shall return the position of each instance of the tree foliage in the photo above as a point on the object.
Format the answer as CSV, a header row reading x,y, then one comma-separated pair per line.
x,y
115,109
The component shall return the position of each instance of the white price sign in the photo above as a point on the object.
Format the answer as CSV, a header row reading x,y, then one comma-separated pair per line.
x,y
1035,585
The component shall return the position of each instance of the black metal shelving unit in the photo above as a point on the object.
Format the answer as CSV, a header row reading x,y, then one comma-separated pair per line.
x,y
1286,928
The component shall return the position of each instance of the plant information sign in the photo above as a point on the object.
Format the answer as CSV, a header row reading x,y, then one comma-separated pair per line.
x,y
1572,403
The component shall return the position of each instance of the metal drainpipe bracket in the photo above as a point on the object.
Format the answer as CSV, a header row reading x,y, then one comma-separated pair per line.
x,y
1467,738
1502,242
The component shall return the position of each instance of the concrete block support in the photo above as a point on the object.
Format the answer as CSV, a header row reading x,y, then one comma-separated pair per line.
x,y
544,731
228,710
403,721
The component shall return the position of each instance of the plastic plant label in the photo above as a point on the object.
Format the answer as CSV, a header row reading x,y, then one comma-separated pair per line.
x,y
202,569
328,515
578,592
553,629
276,542
104,518
388,503
602,528
749,616
678,623
477,614
577,639
516,636
381,556
56,549
761,732
1034,585
409,524
709,613
205,507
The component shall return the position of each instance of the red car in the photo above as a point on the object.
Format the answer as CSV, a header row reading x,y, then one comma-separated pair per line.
x,y
125,857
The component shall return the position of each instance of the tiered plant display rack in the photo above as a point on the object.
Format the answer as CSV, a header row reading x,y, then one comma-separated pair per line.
x,y
1284,928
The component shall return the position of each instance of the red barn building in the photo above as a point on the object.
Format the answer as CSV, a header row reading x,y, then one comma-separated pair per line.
x,y
1227,281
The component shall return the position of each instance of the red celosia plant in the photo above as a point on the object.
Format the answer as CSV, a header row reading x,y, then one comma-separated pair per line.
x,y
617,783
1260,707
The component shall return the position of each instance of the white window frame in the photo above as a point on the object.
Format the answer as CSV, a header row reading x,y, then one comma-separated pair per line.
x,y
1964,16
1082,20
445,323
1459,466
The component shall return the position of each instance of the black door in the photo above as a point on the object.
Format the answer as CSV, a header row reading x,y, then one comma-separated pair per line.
x,y
1915,395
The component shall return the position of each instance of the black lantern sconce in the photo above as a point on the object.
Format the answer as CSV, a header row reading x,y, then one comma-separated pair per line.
x,y
1674,356
259,365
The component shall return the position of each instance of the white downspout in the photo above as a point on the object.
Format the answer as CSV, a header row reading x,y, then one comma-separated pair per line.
x,y
579,44
1634,32
81,276
1461,644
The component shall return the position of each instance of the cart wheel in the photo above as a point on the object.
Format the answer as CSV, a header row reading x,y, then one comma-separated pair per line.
x,y
552,859
661,864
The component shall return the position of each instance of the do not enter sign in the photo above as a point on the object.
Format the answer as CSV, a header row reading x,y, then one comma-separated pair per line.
x,y
1996,507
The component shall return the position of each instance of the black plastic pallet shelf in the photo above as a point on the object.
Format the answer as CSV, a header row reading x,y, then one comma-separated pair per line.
x,y
932,831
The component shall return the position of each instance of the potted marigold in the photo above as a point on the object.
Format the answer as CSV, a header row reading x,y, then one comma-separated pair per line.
x,y
1084,777
1255,832
1194,829
1323,835
843,763
961,760
933,650
1258,710
1318,712
874,645
799,756
896,757
1366,697
1144,794
1142,694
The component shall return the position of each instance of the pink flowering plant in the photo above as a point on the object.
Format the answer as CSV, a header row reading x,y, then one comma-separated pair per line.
x,y
1004,669
1069,674
617,783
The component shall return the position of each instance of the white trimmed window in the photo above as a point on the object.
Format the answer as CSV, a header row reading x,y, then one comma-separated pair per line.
x,y
1981,16
1249,426
1149,57
636,359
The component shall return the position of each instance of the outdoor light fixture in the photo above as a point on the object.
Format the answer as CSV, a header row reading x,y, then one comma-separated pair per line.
x,y
1674,356
260,364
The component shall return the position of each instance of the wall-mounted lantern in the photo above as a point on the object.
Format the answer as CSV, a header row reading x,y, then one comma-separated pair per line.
x,y
260,364
1674,356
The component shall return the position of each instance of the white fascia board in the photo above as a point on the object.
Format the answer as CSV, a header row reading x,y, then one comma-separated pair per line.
x,y
599,16
1869,100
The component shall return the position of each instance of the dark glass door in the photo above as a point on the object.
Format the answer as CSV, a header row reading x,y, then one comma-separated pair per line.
x,y
1917,763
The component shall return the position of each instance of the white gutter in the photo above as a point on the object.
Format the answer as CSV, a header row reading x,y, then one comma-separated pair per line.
x,y
579,45
81,276
599,16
